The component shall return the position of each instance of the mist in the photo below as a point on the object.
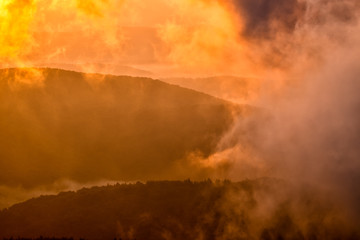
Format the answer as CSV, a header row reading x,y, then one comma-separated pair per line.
x,y
307,130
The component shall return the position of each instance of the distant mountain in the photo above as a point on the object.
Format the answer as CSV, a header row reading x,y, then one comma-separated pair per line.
x,y
236,89
258,209
59,124
99,68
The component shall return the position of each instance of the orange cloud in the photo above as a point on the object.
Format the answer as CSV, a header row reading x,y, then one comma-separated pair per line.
x,y
16,17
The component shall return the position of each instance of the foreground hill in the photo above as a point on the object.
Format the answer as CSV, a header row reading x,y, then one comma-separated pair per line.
x,y
259,209
62,124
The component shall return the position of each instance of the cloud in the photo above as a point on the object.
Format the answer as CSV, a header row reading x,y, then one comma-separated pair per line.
x,y
264,19
16,17
306,133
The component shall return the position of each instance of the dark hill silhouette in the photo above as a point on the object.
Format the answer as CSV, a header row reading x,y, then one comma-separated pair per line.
x,y
89,126
259,209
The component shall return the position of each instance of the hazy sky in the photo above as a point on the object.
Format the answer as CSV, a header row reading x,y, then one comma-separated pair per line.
x,y
239,37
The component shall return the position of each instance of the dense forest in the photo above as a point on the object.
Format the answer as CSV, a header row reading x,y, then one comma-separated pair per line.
x,y
41,238
258,209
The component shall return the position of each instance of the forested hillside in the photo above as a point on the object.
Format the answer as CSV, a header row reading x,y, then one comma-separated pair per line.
x,y
258,209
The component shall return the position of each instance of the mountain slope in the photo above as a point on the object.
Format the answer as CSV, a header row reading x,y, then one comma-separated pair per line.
x,y
62,124
236,89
